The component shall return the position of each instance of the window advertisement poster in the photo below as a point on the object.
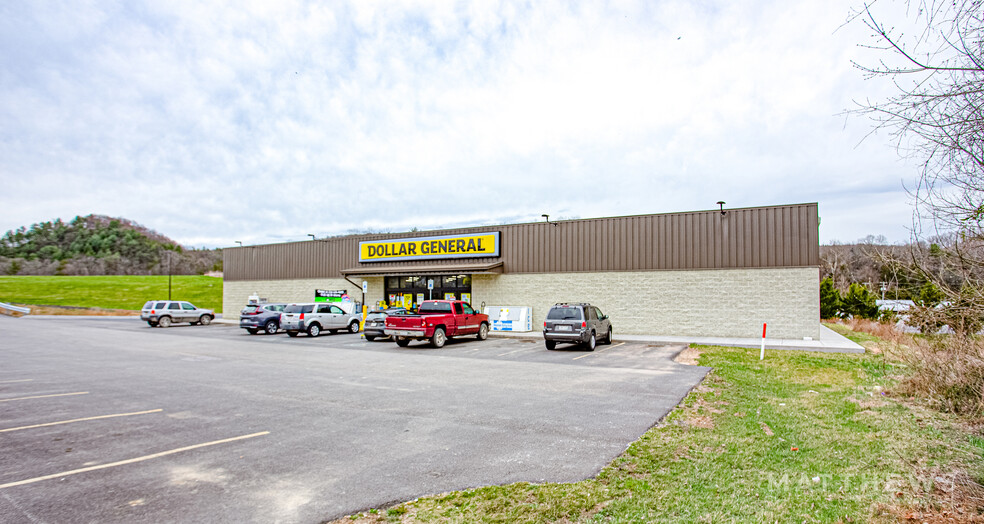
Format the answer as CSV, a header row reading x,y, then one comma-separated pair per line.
x,y
466,297
392,300
408,301
326,295
449,296
420,297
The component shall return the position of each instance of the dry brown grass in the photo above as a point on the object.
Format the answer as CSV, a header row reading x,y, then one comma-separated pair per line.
x,y
947,371
885,331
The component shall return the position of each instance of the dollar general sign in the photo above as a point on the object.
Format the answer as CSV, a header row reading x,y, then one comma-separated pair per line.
x,y
454,246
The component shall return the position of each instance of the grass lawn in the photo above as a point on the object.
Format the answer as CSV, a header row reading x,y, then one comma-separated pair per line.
x,y
799,437
110,292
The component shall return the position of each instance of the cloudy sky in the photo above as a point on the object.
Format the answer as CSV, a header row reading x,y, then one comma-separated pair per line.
x,y
265,121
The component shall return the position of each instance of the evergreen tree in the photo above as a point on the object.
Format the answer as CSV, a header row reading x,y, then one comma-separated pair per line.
x,y
830,299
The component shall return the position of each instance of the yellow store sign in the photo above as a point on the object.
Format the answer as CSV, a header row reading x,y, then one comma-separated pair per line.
x,y
454,246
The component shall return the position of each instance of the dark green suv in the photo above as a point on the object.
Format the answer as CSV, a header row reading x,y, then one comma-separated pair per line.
x,y
576,324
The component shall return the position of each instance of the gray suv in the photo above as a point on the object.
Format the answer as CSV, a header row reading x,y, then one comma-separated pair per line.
x,y
576,324
315,318
163,313
256,318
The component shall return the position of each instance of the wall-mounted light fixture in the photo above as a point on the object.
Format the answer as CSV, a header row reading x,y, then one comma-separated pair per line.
x,y
312,236
240,243
721,203
547,217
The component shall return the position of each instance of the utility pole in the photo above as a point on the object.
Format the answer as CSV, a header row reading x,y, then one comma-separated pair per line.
x,y
169,274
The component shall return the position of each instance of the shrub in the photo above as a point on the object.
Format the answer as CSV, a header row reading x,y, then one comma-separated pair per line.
x,y
949,372
929,295
859,302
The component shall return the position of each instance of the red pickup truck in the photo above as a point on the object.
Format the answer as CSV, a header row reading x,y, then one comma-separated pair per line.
x,y
436,320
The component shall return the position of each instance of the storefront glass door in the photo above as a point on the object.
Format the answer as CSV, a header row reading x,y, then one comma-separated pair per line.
x,y
409,291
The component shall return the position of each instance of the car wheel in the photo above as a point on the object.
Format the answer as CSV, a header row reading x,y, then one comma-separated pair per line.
x,y
164,322
354,327
608,339
252,331
439,338
402,342
592,342
483,331
551,345
151,324
314,330
205,320
270,327
292,333
370,338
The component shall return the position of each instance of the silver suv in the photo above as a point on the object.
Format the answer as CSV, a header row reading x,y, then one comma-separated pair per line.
x,y
315,318
163,313
576,324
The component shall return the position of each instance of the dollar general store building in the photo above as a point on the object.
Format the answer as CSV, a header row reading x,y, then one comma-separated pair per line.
x,y
701,273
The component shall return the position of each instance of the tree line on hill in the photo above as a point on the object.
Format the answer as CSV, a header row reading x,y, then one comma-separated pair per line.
x,y
99,245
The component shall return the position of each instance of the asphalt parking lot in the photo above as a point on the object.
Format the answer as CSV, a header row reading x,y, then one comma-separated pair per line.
x,y
108,420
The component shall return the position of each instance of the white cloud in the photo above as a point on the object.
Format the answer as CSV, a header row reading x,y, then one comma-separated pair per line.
x,y
261,121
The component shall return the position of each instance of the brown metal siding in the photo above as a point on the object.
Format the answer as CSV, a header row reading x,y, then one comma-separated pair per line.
x,y
777,236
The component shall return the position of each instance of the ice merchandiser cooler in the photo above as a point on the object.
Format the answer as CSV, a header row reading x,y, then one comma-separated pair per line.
x,y
510,318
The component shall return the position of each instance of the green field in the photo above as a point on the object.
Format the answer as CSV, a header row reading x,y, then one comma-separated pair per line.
x,y
110,292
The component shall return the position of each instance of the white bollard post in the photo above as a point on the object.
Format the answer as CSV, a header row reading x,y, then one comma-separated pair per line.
x,y
762,353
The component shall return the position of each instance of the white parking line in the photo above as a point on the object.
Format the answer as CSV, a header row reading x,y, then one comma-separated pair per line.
x,y
599,351
81,420
12,381
129,461
534,348
45,396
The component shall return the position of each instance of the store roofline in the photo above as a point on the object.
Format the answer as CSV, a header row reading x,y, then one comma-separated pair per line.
x,y
490,268
464,230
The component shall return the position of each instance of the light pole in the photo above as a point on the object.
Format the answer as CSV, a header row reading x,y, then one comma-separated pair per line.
x,y
169,274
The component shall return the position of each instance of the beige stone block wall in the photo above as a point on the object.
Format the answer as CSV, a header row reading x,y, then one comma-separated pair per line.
x,y
236,293
720,303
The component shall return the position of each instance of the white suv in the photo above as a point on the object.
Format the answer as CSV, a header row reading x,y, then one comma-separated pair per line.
x,y
163,313
315,318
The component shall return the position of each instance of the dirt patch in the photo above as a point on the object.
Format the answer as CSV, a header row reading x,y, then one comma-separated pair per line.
x,y
867,404
75,310
688,357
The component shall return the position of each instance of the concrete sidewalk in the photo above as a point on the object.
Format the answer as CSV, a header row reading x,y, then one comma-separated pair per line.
x,y
830,341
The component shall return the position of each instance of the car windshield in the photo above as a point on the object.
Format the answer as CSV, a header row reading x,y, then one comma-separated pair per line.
x,y
564,313
250,309
434,307
376,316
149,305
299,308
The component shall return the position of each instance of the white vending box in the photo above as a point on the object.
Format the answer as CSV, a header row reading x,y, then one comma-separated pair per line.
x,y
510,318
